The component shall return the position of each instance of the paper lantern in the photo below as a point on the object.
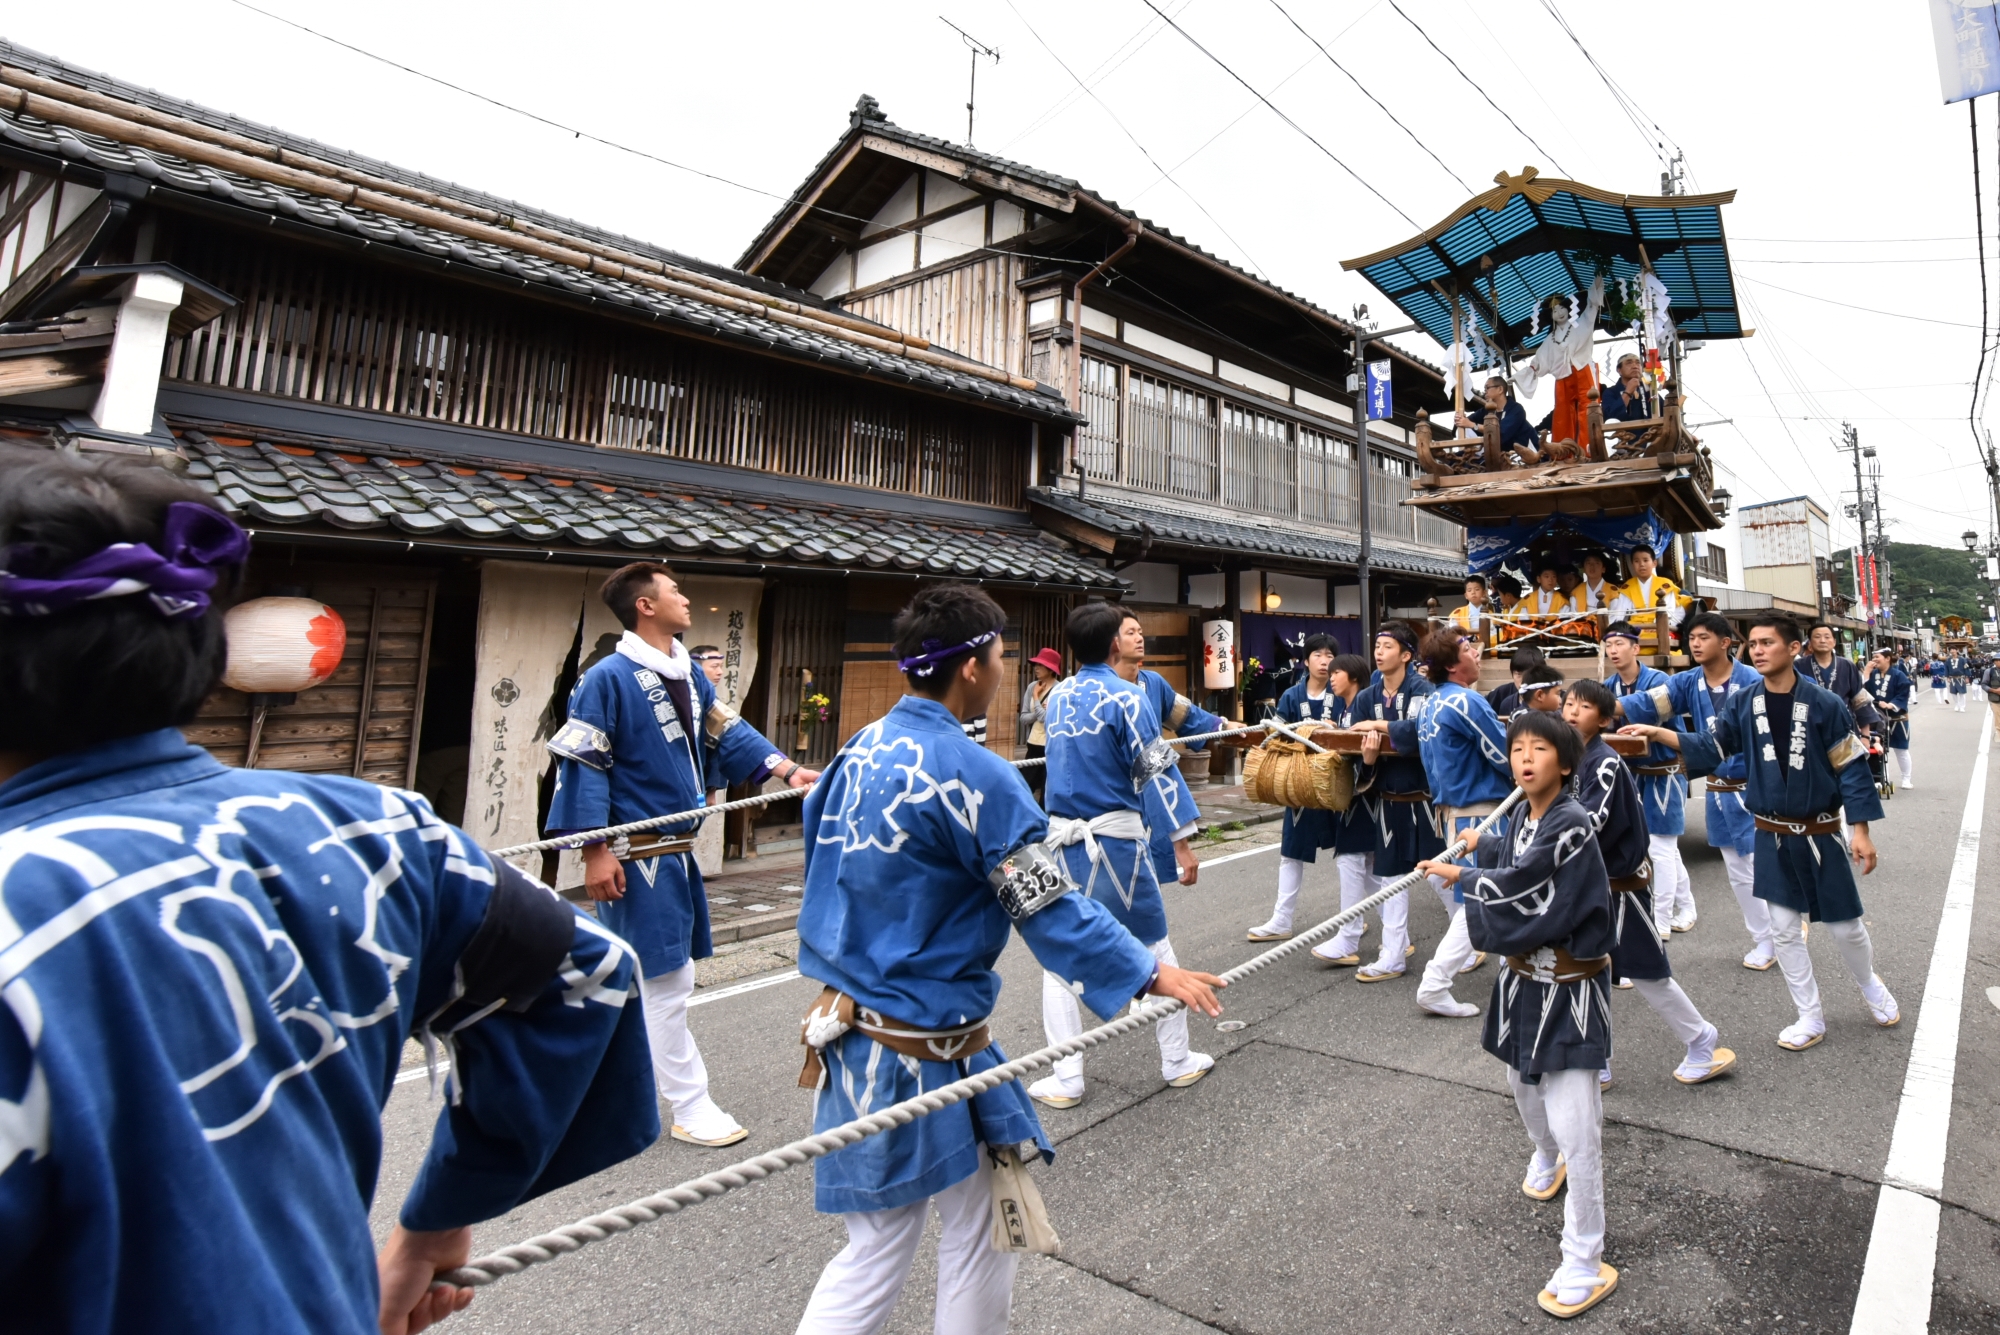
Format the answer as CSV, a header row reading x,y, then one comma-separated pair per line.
x,y
278,646
1218,654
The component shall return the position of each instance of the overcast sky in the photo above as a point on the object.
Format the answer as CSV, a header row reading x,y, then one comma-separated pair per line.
x,y
1854,181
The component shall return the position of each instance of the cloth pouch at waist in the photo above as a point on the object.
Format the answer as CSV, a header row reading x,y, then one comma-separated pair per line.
x,y
1825,824
1554,964
835,1013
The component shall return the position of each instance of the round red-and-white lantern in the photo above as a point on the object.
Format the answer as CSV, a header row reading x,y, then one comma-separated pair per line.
x,y
278,646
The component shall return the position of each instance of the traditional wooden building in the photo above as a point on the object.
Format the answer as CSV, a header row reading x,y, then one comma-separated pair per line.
x,y
448,415
1216,463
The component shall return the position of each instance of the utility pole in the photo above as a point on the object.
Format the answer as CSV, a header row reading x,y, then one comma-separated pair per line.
x,y
1880,571
1852,445
978,49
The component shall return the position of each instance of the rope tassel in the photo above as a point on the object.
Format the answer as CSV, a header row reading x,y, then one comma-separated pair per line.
x,y
572,1237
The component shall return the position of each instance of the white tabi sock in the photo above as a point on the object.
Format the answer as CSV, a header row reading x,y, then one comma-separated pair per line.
x,y
1172,1032
1796,963
1291,877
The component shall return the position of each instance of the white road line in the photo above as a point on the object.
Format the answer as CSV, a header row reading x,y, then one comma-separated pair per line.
x,y
418,1073
1247,853
1897,1280
703,998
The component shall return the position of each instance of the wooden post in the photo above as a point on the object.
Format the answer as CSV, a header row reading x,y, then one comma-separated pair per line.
x,y
1457,367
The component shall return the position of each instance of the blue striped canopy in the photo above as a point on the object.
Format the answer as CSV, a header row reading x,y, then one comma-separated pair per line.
x,y
1507,250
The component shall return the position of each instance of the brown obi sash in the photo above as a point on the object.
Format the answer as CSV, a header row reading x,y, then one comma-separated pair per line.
x,y
1826,824
1633,884
1553,964
835,1013
1673,767
651,846
1727,785
1411,798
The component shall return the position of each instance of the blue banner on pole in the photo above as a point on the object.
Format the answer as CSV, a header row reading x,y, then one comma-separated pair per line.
x,y
1381,394
1968,47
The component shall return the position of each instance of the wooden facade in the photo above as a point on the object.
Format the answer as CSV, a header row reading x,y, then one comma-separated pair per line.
x,y
316,329
363,720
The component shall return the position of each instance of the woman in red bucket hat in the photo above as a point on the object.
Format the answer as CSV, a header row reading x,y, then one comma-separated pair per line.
x,y
1047,667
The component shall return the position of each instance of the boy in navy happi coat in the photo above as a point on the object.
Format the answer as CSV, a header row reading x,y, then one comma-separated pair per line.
x,y
921,847
1892,690
1539,895
1464,750
1393,794
1603,787
1309,704
1663,785
1805,763
646,736
1692,700
211,974
1105,750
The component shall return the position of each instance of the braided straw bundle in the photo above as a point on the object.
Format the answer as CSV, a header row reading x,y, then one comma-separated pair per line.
x,y
1282,773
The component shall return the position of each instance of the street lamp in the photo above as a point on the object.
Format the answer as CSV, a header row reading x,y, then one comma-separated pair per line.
x,y
1718,500
1970,539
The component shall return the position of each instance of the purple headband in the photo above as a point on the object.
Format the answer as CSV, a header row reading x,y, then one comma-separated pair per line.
x,y
1631,635
197,540
1400,634
927,662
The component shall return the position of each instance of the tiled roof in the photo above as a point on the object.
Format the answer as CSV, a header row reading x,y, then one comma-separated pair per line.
x,y
1137,523
168,172
868,118
282,483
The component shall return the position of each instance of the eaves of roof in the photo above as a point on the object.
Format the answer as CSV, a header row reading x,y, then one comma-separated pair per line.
x,y
1130,525
87,153
860,125
316,487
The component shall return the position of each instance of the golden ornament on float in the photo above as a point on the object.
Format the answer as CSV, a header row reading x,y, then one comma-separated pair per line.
x,y
280,646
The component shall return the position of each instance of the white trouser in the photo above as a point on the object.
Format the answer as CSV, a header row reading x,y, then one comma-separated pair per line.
x,y
1453,952
678,1072
1671,1004
1396,919
1564,1114
1291,877
1902,755
1742,871
1670,879
975,1284
1062,1018
1356,884
1856,951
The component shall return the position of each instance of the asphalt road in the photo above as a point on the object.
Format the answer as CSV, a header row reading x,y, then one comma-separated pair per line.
x,y
1353,1164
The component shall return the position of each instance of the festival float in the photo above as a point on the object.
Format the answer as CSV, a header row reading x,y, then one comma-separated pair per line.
x,y
1546,280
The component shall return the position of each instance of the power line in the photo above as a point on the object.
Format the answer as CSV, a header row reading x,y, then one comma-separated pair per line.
x,y
1371,97
1476,88
1274,110
508,106
1632,110
1870,310
1106,67
1241,248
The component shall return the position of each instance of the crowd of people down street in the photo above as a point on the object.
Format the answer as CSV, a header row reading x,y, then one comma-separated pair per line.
x,y
151,894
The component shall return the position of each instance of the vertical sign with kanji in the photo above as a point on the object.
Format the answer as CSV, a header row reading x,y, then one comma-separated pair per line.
x,y
1381,394
1968,47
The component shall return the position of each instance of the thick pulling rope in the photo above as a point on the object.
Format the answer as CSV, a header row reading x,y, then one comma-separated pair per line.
x,y
582,837
573,1237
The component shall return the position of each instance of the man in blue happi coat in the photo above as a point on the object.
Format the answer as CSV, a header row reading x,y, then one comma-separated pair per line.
x,y
1891,690
1805,764
1311,703
646,736
1692,701
209,975
1663,786
1391,796
922,848
1171,813
1463,745
1105,750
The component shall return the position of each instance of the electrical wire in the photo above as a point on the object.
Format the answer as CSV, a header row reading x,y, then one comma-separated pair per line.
x,y
1478,89
508,106
1371,97
1633,112
1870,310
1106,67
1221,64
1143,151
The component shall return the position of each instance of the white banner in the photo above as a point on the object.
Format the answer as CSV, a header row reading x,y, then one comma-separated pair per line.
x,y
1968,47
